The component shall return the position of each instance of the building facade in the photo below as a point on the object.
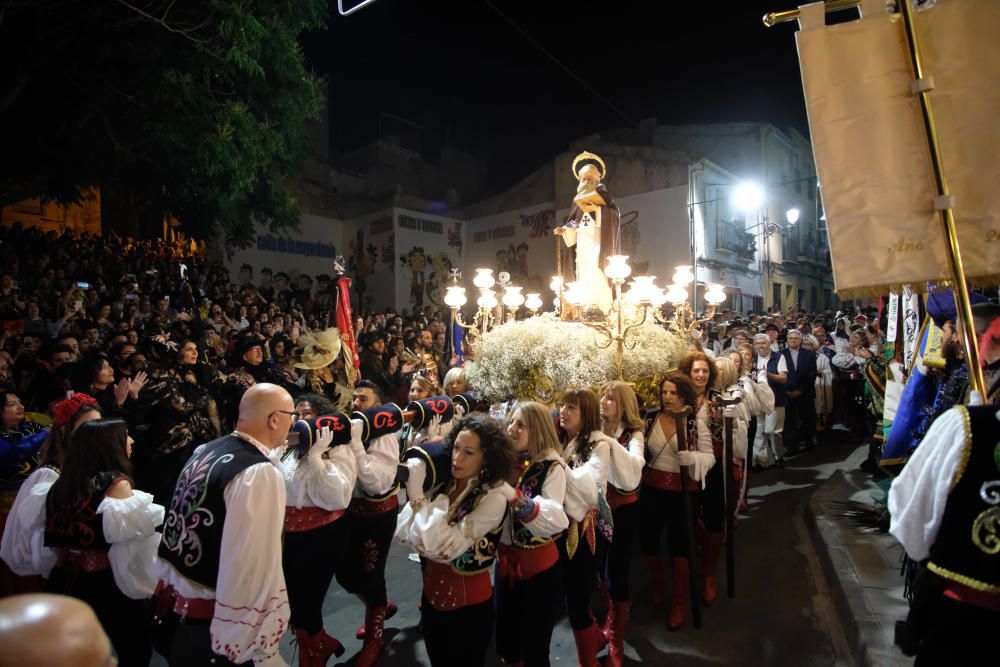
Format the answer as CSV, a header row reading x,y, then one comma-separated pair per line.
x,y
792,260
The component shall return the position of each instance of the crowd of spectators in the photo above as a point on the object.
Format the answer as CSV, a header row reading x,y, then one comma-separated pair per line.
x,y
165,338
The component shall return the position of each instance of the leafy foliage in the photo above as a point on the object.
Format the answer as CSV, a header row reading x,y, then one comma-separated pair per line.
x,y
197,109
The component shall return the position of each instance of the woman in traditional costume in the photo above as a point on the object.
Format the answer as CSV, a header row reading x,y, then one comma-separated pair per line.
x,y
587,452
319,480
456,532
621,421
661,503
528,576
103,533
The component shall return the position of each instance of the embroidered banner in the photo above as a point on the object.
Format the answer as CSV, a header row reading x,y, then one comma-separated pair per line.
x,y
871,152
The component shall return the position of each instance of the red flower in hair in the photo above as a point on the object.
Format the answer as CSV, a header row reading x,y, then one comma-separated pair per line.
x,y
66,410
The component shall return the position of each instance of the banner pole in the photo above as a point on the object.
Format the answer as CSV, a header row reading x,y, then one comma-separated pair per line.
x,y
959,286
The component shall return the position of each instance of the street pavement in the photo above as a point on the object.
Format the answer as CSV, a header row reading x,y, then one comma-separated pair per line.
x,y
782,613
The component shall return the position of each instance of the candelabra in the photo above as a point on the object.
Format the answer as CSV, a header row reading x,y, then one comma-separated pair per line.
x,y
490,310
618,326
684,320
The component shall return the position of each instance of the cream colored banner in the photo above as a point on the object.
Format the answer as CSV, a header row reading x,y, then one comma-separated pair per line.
x,y
870,148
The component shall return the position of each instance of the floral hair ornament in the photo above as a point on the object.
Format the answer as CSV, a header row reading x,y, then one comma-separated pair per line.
x,y
67,409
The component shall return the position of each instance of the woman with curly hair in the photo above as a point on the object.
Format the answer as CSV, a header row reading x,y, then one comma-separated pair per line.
x,y
703,375
528,575
587,452
661,503
456,533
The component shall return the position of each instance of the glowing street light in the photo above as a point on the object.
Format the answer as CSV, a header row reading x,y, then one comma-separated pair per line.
x,y
792,215
748,196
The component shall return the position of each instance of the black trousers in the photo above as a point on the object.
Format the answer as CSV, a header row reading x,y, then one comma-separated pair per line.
x,y
713,498
800,420
958,635
309,559
616,572
525,614
659,509
126,621
579,580
188,643
457,638
362,570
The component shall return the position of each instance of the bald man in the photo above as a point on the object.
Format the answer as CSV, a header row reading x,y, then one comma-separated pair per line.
x,y
221,598
40,630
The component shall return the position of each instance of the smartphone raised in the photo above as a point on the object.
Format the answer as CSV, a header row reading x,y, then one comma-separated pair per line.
x,y
81,285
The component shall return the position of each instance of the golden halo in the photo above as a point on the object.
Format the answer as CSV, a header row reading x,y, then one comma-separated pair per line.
x,y
587,155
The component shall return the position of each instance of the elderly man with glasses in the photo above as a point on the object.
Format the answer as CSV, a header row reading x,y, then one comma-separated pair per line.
x,y
221,597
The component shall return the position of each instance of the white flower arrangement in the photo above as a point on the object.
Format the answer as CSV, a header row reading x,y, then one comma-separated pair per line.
x,y
514,359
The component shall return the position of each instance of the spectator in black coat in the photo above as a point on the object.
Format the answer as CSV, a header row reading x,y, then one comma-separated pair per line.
x,y
800,411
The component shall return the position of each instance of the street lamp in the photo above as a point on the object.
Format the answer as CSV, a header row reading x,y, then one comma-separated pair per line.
x,y
748,196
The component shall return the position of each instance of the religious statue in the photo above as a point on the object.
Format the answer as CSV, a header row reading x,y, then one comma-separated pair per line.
x,y
590,232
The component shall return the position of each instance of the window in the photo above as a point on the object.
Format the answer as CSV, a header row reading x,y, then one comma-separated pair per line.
x,y
776,295
827,305
813,299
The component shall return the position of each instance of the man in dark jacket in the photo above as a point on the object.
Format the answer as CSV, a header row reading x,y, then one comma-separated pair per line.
x,y
800,410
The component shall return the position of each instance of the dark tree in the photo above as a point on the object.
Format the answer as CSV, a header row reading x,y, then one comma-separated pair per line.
x,y
196,109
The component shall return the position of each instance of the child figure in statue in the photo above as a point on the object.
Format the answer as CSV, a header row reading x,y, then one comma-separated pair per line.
x,y
590,233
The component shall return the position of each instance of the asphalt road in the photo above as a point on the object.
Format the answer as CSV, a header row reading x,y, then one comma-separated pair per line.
x,y
782,613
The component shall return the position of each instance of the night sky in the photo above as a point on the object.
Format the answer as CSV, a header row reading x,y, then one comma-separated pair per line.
x,y
472,80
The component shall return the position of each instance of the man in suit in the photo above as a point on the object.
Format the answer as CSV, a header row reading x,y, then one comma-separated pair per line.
x,y
800,411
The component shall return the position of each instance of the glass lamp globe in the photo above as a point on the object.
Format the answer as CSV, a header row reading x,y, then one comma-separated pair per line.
x,y
555,284
488,300
512,297
533,301
618,268
683,275
642,289
714,295
659,297
484,279
454,297
677,294
575,293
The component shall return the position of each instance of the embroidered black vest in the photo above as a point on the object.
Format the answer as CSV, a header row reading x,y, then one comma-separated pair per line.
x,y
192,532
530,483
776,387
480,557
79,526
967,548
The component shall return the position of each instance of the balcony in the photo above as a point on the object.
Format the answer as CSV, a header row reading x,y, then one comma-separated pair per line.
x,y
732,240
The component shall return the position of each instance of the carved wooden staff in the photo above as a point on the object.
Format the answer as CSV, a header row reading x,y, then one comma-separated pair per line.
x,y
680,419
729,496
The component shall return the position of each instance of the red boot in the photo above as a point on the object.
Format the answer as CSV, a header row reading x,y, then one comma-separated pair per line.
x,y
372,647
390,611
709,559
619,626
588,642
679,596
602,591
655,567
315,650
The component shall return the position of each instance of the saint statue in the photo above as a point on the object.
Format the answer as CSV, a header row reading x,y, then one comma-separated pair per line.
x,y
590,233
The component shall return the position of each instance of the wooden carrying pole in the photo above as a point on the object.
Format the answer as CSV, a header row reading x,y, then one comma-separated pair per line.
x,y
731,502
680,421
963,306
